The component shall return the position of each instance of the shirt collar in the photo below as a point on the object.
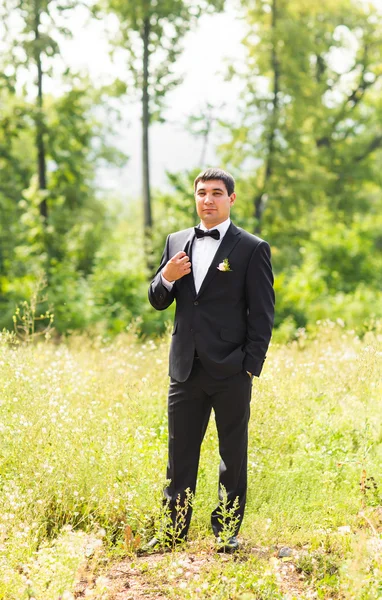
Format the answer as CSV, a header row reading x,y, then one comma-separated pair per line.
x,y
222,227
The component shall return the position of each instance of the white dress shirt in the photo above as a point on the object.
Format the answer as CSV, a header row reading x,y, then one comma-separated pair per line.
x,y
203,252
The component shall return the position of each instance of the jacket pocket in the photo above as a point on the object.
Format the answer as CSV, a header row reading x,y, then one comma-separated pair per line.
x,y
233,335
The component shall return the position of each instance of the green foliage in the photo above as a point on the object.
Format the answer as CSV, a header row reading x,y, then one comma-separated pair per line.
x,y
311,125
335,275
173,211
323,569
307,151
65,246
227,515
119,279
64,139
30,314
16,168
36,30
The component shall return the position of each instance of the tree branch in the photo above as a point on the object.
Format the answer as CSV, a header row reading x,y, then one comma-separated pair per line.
x,y
350,102
373,145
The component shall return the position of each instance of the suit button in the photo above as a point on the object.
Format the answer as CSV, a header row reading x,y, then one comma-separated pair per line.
x,y
196,303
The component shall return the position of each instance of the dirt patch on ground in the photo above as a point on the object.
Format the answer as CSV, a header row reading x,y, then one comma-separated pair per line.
x,y
128,582
132,579
141,578
292,584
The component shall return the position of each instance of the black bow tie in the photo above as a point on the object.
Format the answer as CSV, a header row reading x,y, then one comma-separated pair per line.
x,y
201,234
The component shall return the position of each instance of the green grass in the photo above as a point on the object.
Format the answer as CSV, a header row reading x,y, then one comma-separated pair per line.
x,y
83,453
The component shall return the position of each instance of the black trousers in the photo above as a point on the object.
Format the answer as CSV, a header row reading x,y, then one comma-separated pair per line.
x,y
189,408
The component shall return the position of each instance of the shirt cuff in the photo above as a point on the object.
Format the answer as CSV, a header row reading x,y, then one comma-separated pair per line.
x,y
167,284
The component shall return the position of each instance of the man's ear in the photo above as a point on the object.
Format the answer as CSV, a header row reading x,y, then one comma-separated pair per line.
x,y
232,199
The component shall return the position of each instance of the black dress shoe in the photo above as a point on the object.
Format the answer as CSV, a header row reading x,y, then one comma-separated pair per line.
x,y
229,546
152,544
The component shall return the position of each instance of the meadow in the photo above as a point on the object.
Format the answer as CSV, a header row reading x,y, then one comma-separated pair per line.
x,y
83,430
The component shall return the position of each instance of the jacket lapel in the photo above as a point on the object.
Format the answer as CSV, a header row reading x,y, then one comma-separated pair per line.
x,y
188,250
228,243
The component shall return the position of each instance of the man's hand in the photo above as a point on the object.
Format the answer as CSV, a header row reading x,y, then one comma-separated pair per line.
x,y
177,267
250,374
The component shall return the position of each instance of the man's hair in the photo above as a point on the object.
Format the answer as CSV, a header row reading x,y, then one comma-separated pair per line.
x,y
216,173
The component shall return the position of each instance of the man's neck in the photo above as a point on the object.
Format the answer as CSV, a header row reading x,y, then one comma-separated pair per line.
x,y
209,226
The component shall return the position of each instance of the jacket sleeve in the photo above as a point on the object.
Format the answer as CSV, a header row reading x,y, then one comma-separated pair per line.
x,y
260,308
159,296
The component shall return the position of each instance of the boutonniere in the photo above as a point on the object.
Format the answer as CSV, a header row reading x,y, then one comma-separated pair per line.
x,y
224,266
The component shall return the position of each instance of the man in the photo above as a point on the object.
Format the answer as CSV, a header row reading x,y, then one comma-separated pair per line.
x,y
221,278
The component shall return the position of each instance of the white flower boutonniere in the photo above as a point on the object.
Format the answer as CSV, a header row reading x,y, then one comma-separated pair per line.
x,y
224,266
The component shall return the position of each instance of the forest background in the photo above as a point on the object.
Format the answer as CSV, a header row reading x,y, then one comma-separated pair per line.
x,y
304,144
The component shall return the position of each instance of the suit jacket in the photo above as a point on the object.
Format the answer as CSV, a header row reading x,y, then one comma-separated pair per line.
x,y
229,321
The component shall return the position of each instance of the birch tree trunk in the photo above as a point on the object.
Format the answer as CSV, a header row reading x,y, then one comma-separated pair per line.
x,y
145,129
39,122
261,198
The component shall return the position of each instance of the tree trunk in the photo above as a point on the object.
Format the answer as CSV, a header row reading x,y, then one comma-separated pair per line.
x,y
145,129
41,162
261,198
207,131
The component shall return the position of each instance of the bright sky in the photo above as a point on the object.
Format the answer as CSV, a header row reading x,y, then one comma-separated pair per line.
x,y
203,64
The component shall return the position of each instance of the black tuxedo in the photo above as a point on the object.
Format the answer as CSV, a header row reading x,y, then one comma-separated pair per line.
x,y
229,321
228,326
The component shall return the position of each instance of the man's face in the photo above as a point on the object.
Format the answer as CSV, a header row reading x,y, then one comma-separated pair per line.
x,y
213,204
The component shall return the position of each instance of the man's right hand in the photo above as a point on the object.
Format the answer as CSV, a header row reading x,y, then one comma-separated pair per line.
x,y
177,267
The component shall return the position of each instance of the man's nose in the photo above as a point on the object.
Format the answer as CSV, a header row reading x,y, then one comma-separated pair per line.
x,y
208,199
